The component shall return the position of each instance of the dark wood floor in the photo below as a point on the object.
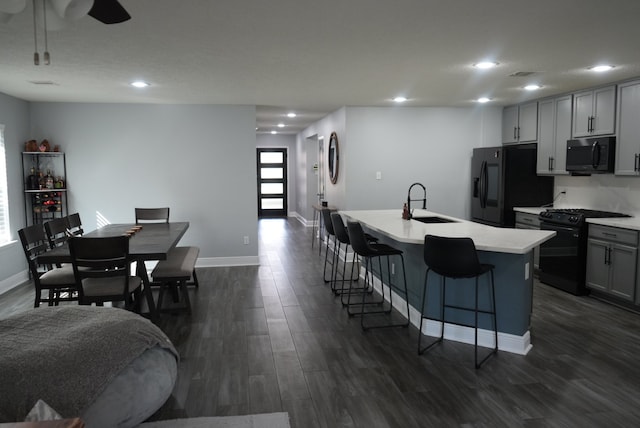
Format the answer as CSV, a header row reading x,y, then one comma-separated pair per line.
x,y
273,338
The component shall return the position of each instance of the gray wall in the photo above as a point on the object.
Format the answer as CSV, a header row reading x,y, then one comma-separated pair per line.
x,y
197,159
308,150
14,115
432,146
406,144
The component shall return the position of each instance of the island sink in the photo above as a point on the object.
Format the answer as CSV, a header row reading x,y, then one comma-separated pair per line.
x,y
433,219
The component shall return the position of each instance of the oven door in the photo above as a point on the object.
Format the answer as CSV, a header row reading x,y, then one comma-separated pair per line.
x,y
563,258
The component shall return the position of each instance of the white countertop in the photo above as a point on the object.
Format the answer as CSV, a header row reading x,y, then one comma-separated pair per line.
x,y
529,210
632,223
486,238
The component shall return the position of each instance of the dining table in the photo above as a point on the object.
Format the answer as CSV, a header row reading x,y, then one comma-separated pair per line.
x,y
149,242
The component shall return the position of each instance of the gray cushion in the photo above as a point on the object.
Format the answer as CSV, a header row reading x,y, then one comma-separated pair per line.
x,y
95,287
58,276
179,264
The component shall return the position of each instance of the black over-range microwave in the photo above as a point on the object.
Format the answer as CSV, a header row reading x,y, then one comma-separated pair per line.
x,y
591,155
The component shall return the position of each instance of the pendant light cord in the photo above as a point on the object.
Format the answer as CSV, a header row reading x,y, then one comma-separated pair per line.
x,y
47,60
36,56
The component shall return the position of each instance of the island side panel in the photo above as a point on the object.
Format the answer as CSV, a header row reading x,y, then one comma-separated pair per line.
x,y
513,287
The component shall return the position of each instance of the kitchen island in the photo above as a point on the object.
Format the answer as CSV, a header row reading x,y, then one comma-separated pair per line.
x,y
509,250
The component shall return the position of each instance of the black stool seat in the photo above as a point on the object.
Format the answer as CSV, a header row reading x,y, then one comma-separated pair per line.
x,y
456,258
368,251
378,250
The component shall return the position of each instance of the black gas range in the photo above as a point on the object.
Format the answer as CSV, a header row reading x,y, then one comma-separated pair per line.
x,y
563,258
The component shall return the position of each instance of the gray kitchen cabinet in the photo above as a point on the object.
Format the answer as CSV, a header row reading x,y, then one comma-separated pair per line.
x,y
628,137
594,112
554,129
529,221
612,258
520,123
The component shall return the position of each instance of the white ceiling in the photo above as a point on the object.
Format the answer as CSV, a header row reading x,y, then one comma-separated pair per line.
x,y
313,57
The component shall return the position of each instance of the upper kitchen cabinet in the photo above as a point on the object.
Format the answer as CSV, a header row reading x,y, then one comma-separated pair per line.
x,y
554,129
628,141
594,112
520,123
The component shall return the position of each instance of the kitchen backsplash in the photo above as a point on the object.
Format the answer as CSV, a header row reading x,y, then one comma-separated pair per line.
x,y
600,191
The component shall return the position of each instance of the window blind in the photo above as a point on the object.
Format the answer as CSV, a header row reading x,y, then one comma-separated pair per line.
x,y
4,198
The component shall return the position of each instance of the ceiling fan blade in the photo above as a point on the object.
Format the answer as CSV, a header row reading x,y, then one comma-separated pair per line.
x,y
109,12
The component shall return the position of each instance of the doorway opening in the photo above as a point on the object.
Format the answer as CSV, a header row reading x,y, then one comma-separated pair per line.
x,y
272,182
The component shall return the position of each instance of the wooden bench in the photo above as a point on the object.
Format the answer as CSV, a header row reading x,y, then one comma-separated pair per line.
x,y
176,270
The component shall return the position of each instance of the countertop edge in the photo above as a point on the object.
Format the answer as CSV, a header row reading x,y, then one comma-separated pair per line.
x,y
486,238
632,223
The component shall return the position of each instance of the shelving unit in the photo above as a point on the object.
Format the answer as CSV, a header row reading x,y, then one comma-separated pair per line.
x,y
45,195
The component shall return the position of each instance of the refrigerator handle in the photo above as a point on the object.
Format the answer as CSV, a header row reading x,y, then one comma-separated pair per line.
x,y
483,185
595,155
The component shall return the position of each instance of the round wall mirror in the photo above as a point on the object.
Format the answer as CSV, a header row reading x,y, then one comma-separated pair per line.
x,y
333,158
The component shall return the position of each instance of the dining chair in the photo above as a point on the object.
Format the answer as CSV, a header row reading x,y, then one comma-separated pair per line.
x,y
152,215
101,266
74,224
58,282
57,231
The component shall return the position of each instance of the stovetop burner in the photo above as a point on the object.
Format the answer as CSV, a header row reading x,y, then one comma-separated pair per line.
x,y
575,216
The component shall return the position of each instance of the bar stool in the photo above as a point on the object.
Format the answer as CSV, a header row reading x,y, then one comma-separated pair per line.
x,y
328,227
456,258
369,251
342,237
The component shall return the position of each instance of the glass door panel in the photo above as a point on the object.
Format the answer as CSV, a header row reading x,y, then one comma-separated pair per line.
x,y
272,182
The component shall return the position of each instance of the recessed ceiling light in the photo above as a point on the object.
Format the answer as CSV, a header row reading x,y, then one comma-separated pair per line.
x,y
274,132
139,84
601,68
485,64
532,87
484,100
292,114
399,99
281,125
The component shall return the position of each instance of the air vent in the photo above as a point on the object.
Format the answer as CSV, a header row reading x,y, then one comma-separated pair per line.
x,y
522,73
43,82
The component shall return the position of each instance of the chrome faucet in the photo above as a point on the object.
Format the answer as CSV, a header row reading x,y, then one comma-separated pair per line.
x,y
424,199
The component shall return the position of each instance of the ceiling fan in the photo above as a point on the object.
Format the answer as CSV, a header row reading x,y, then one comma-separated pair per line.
x,y
54,14
105,11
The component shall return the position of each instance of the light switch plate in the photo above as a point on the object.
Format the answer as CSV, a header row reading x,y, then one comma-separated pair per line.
x,y
378,175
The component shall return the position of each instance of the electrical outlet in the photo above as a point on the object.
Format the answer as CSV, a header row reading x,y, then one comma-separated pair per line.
x,y
246,240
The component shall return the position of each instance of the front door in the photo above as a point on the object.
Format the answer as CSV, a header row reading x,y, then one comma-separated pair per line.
x,y
272,182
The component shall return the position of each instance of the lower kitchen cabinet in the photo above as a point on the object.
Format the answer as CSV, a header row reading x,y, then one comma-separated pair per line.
x,y
612,260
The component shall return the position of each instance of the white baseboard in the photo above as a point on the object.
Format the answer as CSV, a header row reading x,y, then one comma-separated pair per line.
x,y
304,221
13,281
520,345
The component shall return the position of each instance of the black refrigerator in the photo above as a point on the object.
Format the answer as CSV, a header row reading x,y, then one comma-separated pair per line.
x,y
503,178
